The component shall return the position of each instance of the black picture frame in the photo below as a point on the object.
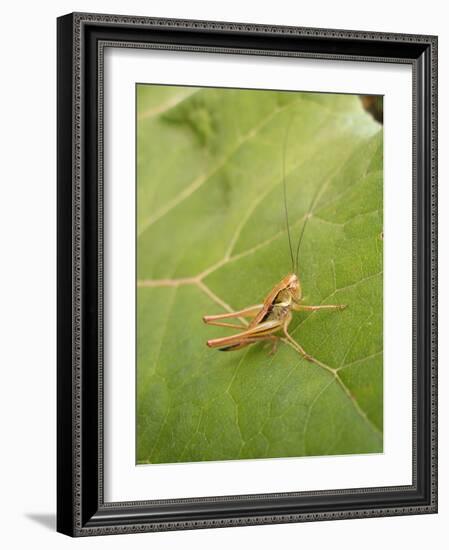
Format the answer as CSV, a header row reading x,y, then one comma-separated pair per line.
x,y
81,509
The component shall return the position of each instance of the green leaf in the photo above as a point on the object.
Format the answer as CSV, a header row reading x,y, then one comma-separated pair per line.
x,y
211,238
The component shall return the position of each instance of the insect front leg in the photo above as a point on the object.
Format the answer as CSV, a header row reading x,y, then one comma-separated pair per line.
x,y
300,307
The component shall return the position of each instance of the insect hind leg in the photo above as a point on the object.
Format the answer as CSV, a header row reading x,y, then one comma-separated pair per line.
x,y
249,341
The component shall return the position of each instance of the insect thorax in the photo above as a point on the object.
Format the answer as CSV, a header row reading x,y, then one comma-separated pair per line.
x,y
280,307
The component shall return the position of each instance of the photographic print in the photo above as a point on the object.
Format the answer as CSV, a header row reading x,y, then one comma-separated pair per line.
x,y
259,276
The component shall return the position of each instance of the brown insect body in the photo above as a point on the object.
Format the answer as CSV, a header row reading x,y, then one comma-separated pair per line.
x,y
278,301
275,313
268,318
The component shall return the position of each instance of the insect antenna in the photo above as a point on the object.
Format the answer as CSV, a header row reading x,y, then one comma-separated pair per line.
x,y
287,131
308,216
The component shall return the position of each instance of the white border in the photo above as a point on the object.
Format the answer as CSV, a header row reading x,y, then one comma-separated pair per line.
x,y
122,479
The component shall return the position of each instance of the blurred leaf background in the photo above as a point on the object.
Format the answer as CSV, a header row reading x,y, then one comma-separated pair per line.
x,y
211,237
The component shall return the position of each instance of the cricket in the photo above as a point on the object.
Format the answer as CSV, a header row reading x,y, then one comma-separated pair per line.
x,y
269,320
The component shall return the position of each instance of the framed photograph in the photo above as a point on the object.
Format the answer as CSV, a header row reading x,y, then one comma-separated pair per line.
x,y
247,282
